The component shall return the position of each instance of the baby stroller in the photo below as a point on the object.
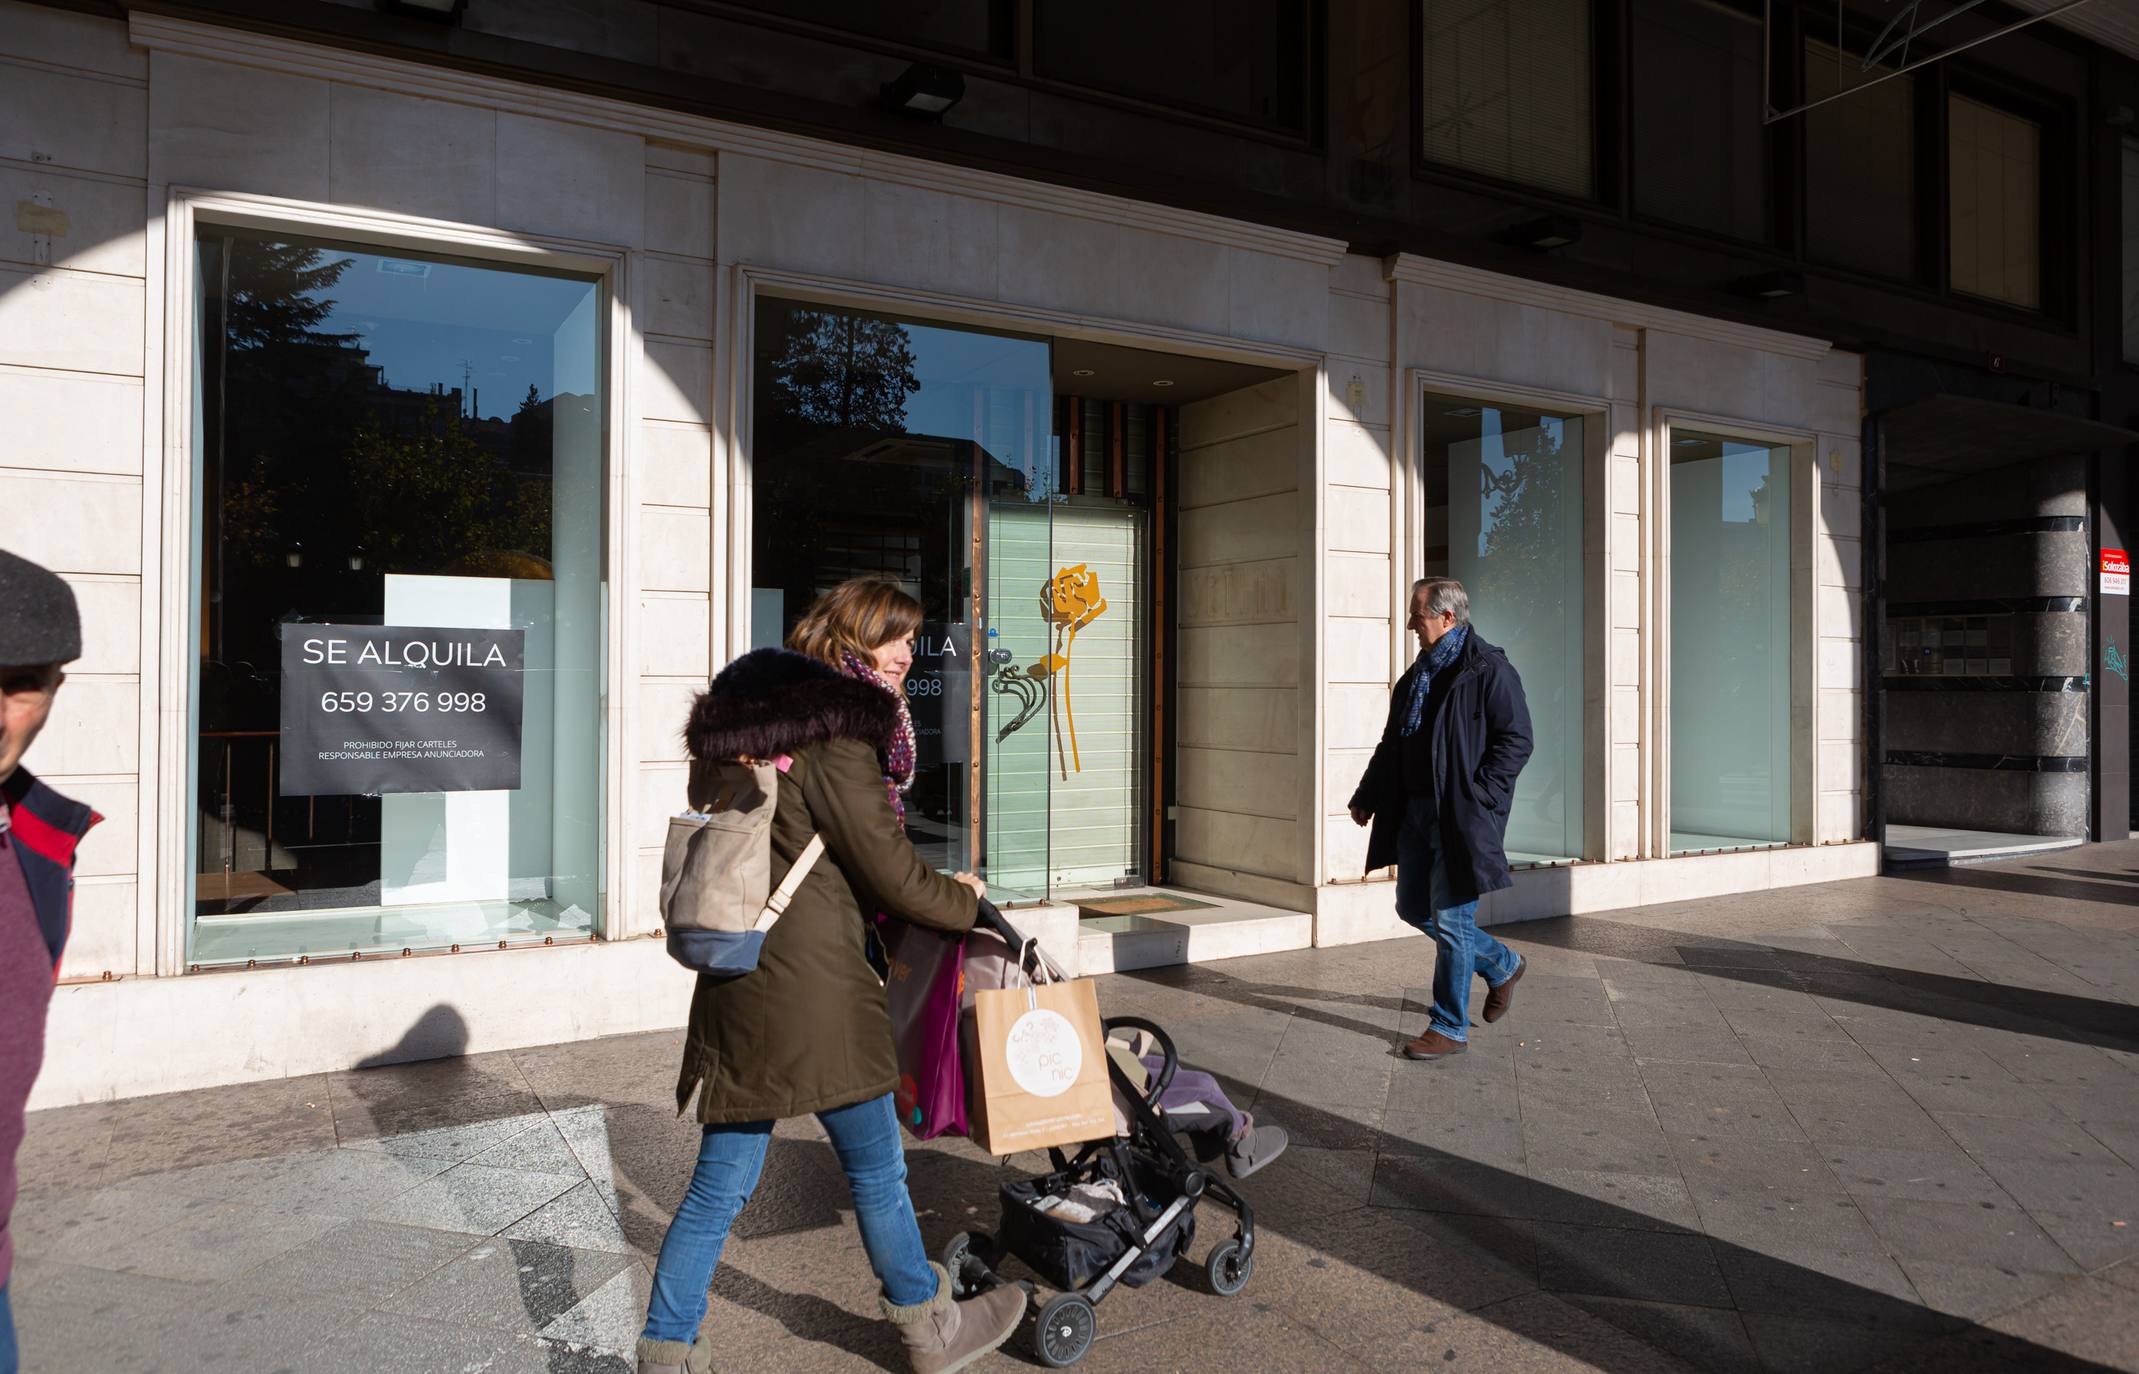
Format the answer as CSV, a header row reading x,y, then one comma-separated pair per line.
x,y
1119,1211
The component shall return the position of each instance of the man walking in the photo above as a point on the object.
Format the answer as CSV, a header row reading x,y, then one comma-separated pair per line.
x,y
40,631
1437,793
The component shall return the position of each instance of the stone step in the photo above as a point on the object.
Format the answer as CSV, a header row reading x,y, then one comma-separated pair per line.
x,y
1225,929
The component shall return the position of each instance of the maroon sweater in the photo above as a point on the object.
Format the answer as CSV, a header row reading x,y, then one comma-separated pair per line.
x,y
25,994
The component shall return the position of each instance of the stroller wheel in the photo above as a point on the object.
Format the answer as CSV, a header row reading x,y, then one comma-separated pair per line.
x,y
1065,1331
965,1259
1229,1268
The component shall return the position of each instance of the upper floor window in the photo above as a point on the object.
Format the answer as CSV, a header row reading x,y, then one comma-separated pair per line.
x,y
1247,61
1994,171
1700,150
2131,251
1860,166
1507,90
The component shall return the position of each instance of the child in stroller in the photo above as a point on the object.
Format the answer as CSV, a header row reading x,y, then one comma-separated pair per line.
x,y
1121,1210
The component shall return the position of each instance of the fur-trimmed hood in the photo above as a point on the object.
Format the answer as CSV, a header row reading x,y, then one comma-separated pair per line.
x,y
775,701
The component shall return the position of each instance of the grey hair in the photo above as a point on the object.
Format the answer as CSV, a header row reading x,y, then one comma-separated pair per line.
x,y
1444,595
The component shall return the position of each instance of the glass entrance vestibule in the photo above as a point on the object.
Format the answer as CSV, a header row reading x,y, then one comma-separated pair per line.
x,y
1016,486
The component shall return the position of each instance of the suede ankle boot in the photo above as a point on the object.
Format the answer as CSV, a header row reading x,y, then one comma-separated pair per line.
x,y
673,1357
943,1336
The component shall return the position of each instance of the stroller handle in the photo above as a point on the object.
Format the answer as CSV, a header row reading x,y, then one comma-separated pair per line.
x,y
987,915
1164,1080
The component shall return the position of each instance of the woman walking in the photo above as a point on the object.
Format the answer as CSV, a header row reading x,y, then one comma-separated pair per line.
x,y
807,1032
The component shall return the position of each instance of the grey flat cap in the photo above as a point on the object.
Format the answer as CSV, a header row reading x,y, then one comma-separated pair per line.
x,y
39,623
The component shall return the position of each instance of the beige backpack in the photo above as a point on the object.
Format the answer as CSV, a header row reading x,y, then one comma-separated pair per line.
x,y
717,897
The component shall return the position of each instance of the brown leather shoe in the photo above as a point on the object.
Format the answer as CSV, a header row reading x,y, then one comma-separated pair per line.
x,y
1498,1000
1434,1045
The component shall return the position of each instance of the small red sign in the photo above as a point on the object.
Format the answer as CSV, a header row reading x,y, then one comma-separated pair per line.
x,y
2116,573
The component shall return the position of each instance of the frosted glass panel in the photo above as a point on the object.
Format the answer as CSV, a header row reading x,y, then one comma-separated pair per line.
x,y
1504,518
1730,643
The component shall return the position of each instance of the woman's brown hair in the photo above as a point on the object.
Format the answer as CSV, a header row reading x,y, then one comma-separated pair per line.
x,y
855,617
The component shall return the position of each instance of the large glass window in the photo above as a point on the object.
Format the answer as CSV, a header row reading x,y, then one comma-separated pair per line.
x,y
398,604
1504,518
1700,151
1994,172
1730,643
1507,90
1860,166
940,457
1245,60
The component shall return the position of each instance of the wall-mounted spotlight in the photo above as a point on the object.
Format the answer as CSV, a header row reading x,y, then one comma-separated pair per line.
x,y
1542,235
923,92
295,557
438,11
1771,286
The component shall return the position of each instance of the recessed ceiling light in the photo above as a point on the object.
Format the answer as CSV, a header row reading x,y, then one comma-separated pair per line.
x,y
1080,372
1461,412
1162,382
523,341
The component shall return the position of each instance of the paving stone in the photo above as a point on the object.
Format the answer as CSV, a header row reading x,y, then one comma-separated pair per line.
x,y
1712,1099
1614,1263
580,1218
1801,1054
342,1183
2084,1320
473,1198
217,1241
1853,1108
1737,1168
2047,1140
514,1285
608,1319
540,1147
1922,1175
1797,1343
361,1261
1489,1134
242,1326
1975,1292
1717,1044
1959,1079
1640,1201
388,1343
1600,1139
2003,1237
1541,1332
454,1144
1707,1338
97,1227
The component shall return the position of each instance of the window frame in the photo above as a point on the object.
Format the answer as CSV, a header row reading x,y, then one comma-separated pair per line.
x,y
1608,62
1595,412
171,699
1776,195
2056,219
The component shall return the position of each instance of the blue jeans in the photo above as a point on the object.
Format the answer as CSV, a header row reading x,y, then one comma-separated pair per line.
x,y
866,1138
10,1354
1423,902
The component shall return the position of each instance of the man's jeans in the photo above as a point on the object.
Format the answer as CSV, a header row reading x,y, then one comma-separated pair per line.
x,y
1423,902
10,1357
865,1136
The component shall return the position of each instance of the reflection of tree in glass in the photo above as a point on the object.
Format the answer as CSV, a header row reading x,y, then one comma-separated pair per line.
x,y
1523,548
833,368
471,503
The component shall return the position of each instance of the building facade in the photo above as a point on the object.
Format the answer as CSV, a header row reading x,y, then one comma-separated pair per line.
x,y
423,412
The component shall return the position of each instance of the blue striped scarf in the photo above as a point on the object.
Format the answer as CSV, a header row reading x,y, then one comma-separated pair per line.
x,y
1431,661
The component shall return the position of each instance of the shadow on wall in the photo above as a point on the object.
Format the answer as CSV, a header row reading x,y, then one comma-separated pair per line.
x,y
440,1033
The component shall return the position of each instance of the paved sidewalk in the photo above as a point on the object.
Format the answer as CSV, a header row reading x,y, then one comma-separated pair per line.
x,y
1887,1123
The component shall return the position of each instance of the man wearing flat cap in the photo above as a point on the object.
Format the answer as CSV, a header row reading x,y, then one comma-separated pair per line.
x,y
40,633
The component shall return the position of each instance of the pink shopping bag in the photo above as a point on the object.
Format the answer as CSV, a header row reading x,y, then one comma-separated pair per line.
x,y
923,978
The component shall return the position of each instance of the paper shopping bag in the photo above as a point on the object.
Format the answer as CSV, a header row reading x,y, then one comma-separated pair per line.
x,y
1043,1068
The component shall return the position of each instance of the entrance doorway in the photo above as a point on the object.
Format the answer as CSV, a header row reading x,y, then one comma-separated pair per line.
x,y
1017,486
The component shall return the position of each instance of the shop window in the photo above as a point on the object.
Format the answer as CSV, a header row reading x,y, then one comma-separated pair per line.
x,y
941,458
1506,90
1700,150
1243,60
2131,251
1994,175
399,602
1860,166
1730,643
1504,518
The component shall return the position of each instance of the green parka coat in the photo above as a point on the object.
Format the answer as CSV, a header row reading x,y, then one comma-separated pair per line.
x,y
808,1029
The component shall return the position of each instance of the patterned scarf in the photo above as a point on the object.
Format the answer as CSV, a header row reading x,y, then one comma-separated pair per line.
x,y
1431,661
898,758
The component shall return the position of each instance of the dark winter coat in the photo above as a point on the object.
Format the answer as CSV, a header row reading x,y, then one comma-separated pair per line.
x,y
1480,741
808,1029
